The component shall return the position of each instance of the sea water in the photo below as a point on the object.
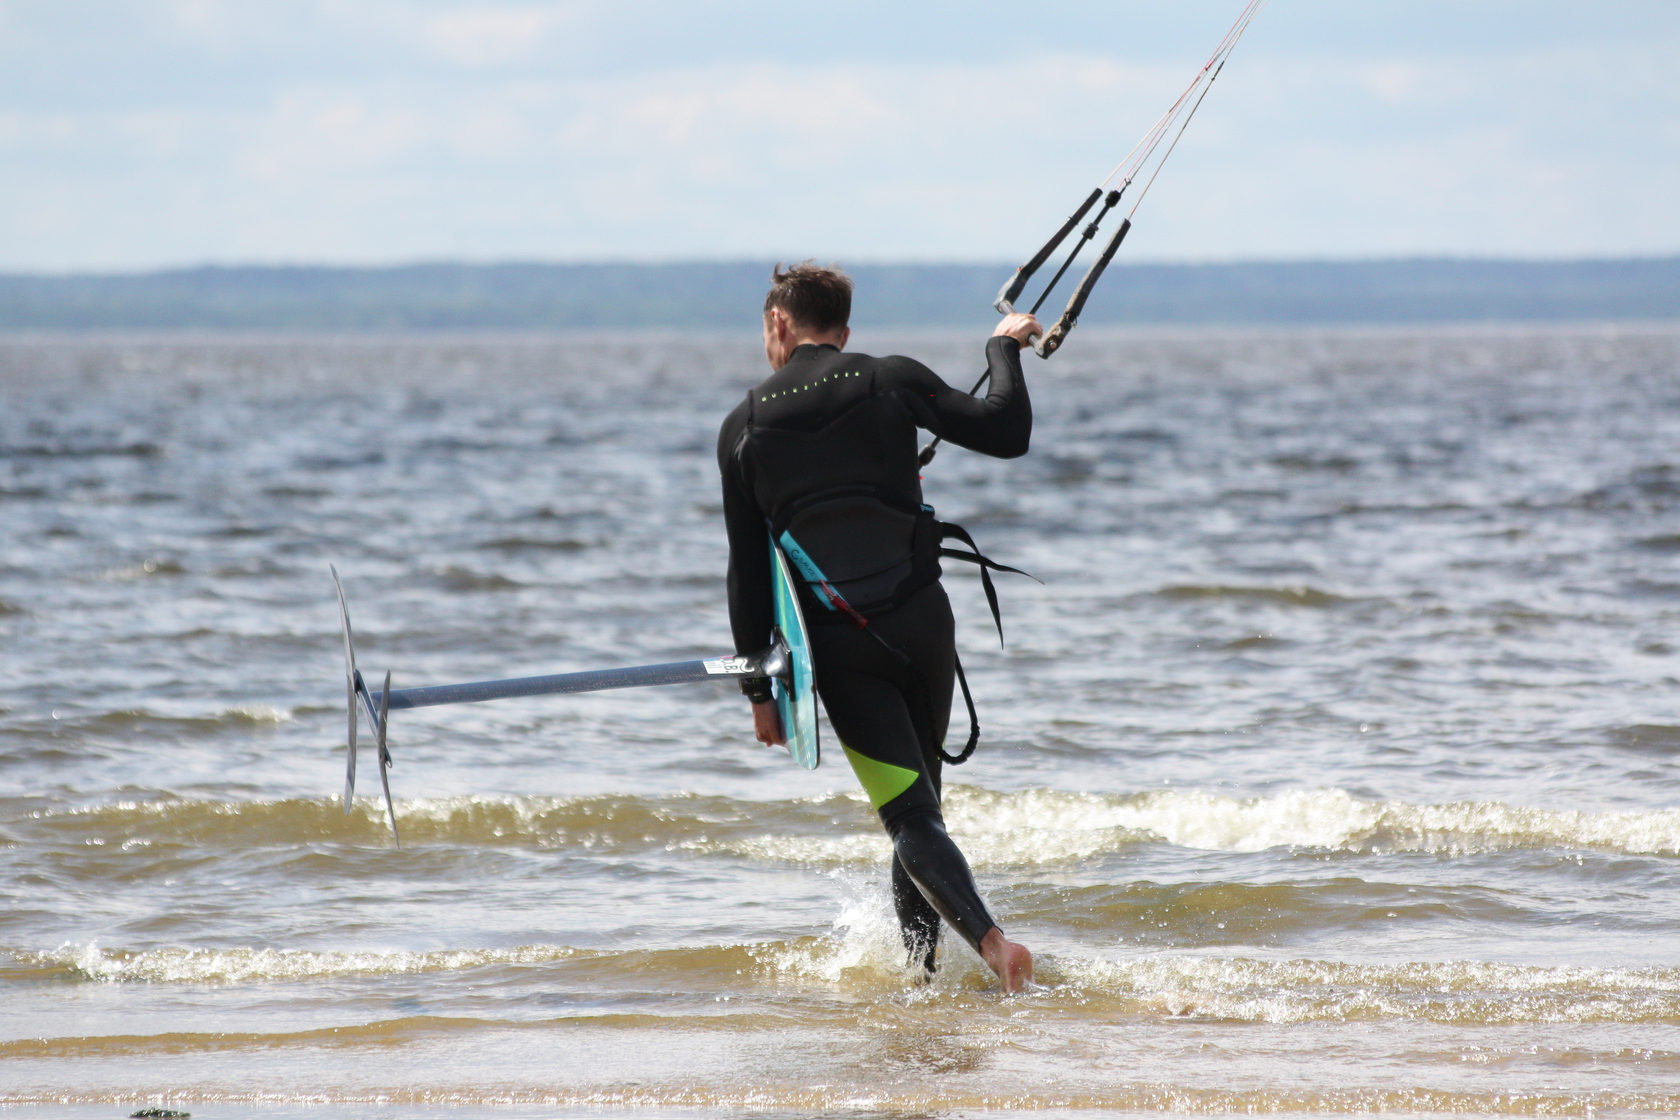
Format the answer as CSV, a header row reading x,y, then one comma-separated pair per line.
x,y
1331,769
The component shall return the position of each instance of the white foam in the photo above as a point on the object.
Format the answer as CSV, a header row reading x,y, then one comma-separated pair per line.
x,y
1024,828
1041,826
864,952
249,965
260,713
1291,991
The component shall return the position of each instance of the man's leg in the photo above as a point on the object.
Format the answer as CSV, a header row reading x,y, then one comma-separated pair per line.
x,y
918,922
873,721
935,866
888,693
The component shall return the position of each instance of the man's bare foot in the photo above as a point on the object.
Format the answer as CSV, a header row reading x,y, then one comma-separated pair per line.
x,y
1011,962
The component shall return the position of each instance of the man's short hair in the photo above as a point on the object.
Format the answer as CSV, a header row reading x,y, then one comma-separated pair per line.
x,y
818,299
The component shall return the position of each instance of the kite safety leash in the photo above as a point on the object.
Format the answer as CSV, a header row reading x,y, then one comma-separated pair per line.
x,y
1109,192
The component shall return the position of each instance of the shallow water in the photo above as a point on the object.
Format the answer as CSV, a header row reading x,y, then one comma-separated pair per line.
x,y
1332,769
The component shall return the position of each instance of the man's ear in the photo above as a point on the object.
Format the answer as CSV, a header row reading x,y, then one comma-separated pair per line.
x,y
845,336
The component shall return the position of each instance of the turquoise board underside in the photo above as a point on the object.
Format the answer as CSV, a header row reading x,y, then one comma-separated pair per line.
x,y
796,698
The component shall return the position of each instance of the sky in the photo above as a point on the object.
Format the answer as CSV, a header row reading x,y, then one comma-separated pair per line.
x,y
141,134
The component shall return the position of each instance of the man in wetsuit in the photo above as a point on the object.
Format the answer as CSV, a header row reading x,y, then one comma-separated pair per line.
x,y
823,452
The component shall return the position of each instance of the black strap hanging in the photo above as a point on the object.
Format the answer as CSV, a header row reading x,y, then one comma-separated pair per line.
x,y
986,565
973,722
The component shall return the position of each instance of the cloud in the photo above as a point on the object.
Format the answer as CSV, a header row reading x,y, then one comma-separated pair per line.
x,y
1395,82
375,130
492,35
315,134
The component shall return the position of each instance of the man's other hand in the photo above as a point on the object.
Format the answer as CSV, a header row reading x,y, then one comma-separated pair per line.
x,y
1020,326
767,724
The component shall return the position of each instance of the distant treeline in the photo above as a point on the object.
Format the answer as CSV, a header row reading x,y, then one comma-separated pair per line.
x,y
726,295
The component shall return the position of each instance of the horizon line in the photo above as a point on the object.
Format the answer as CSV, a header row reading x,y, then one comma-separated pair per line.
x,y
139,272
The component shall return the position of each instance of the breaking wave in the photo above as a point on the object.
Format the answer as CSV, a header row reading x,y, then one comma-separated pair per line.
x,y
861,958
1023,828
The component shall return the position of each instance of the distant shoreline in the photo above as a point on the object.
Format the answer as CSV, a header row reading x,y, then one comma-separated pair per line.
x,y
722,294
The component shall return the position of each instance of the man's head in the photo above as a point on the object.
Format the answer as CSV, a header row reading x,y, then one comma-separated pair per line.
x,y
806,303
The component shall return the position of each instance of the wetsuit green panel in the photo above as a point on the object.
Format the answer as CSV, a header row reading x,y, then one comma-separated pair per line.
x,y
882,781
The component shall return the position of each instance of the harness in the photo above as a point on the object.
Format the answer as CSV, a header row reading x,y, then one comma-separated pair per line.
x,y
879,546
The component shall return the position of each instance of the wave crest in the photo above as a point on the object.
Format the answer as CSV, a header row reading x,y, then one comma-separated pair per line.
x,y
1027,828
249,966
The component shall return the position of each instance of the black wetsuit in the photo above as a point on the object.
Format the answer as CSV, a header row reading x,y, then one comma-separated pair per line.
x,y
824,451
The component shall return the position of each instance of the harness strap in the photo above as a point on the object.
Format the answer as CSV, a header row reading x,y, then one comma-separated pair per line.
x,y
973,721
986,565
837,601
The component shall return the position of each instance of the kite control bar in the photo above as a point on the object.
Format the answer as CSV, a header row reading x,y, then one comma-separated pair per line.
x,y
1129,169
1047,343
1181,113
